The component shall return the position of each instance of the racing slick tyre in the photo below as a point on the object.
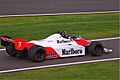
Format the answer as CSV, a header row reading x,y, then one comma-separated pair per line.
x,y
10,49
37,53
96,48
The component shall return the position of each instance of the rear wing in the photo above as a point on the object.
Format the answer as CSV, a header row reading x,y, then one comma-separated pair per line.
x,y
6,40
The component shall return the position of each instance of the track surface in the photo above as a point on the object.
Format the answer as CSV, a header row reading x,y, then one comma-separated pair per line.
x,y
16,7
8,63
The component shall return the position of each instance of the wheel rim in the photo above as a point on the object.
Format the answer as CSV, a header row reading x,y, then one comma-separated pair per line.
x,y
98,49
39,54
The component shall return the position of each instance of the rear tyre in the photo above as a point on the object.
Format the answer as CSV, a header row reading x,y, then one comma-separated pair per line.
x,y
10,49
96,48
37,53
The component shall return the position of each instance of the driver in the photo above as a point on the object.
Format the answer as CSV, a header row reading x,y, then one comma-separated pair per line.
x,y
64,34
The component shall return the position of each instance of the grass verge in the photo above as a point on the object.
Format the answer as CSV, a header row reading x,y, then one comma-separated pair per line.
x,y
94,71
89,26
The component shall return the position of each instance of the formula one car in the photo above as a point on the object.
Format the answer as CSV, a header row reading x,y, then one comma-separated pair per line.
x,y
55,46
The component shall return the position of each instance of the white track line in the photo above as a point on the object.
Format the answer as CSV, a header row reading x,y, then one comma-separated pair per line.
x,y
58,65
53,14
2,49
104,39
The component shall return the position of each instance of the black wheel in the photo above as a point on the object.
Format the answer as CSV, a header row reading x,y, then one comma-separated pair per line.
x,y
10,49
37,53
96,48
22,53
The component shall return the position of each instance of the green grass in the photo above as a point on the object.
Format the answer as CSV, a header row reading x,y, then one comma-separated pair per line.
x,y
89,26
94,71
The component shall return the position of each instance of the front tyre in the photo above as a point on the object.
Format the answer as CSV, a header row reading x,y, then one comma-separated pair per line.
x,y
96,48
37,53
10,49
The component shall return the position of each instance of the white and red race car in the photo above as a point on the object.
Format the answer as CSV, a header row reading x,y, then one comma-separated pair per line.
x,y
55,46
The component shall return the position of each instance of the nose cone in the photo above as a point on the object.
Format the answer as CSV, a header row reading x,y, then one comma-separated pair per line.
x,y
107,50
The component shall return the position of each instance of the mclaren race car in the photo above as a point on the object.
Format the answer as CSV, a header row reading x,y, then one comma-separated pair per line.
x,y
55,46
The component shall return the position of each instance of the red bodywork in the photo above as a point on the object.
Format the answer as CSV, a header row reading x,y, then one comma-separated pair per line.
x,y
83,42
21,44
51,53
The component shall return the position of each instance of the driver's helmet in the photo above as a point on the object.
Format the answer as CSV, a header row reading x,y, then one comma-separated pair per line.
x,y
64,34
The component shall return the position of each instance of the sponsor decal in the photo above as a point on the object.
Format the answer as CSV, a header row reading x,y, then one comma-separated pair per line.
x,y
53,55
50,41
71,51
63,41
6,39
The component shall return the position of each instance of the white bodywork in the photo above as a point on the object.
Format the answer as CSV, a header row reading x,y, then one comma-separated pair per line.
x,y
64,47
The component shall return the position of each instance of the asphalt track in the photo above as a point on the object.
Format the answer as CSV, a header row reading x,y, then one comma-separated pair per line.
x,y
10,63
17,7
